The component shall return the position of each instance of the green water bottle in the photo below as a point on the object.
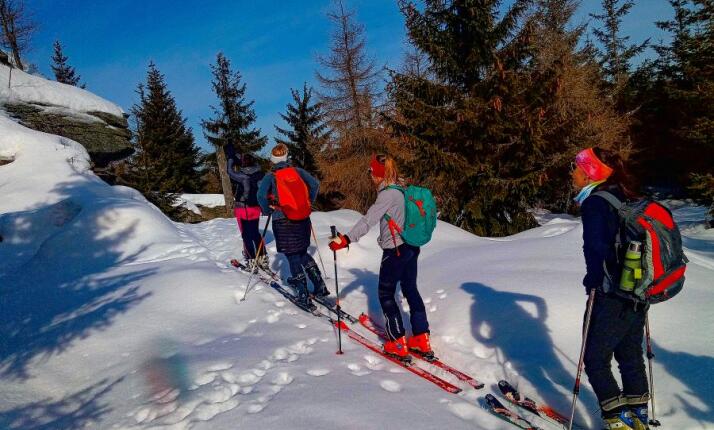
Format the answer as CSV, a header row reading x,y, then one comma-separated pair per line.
x,y
632,270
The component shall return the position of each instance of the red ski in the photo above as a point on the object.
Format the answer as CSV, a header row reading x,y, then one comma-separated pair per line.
x,y
372,326
376,348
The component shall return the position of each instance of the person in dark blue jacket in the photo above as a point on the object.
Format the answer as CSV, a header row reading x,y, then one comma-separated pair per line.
x,y
617,323
292,237
246,208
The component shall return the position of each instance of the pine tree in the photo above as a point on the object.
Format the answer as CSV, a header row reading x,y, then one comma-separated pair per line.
x,y
232,122
617,53
166,161
307,129
64,73
474,132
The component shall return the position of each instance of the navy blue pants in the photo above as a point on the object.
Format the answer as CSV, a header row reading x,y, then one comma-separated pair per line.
x,y
401,269
616,329
251,237
298,261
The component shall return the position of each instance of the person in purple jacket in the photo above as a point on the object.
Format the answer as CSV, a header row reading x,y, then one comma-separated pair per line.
x,y
246,208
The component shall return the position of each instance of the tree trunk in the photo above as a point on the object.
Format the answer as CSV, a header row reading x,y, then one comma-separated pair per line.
x,y
225,180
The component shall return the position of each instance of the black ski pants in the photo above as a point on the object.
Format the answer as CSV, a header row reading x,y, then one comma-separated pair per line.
x,y
616,329
402,269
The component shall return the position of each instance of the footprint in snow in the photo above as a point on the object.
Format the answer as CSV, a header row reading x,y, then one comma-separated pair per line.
x,y
443,296
356,370
439,291
283,378
318,372
427,300
391,386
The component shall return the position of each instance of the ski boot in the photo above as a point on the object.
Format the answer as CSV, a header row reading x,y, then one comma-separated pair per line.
x,y
299,284
616,414
638,407
398,349
623,420
319,287
419,344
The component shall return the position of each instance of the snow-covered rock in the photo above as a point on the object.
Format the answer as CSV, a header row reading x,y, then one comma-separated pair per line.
x,y
99,125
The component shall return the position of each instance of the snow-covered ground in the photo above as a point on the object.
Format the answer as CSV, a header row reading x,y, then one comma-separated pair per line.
x,y
114,317
193,201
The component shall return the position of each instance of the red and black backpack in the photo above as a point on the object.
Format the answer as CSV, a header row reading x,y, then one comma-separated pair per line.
x,y
663,260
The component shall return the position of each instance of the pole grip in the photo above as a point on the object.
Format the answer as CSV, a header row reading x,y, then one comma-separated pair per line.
x,y
333,231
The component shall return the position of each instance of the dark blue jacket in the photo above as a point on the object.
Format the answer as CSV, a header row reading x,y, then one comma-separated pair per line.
x,y
601,224
267,187
246,184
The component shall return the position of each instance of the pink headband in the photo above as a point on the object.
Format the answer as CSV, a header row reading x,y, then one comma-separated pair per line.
x,y
592,166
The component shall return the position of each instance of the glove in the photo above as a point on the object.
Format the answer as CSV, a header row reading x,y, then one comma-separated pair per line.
x,y
341,241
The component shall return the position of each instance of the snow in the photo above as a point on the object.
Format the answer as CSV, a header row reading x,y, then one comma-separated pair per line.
x,y
28,88
193,201
114,317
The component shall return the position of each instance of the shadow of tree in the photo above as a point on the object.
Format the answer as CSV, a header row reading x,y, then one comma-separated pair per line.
x,y
60,292
696,372
79,410
498,320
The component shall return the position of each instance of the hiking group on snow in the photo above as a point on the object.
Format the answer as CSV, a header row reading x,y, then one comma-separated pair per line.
x,y
632,249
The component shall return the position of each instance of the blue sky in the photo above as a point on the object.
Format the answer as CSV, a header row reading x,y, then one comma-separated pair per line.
x,y
274,44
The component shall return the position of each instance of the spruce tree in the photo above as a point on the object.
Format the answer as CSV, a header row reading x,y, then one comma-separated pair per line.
x,y
617,52
64,73
474,131
166,161
307,129
232,124
675,99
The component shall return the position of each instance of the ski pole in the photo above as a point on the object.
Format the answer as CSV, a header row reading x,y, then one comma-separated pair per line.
x,y
576,388
257,255
317,245
333,230
650,356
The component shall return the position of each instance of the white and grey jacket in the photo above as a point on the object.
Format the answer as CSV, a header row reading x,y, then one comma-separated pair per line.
x,y
391,202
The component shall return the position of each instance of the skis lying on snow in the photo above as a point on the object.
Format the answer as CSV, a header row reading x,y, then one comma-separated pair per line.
x,y
497,408
377,348
372,326
543,411
332,307
269,278
323,301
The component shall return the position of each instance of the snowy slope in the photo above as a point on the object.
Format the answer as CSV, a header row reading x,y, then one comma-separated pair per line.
x,y
103,297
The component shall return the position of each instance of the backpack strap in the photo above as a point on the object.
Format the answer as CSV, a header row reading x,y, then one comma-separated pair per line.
x,y
614,201
393,226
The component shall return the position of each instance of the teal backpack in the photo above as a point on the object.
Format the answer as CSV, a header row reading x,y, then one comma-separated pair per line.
x,y
419,215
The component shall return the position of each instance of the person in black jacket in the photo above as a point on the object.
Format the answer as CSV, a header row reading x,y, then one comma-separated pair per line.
x,y
246,208
617,323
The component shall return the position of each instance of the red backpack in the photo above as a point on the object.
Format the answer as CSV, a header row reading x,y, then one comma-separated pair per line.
x,y
293,196
663,261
